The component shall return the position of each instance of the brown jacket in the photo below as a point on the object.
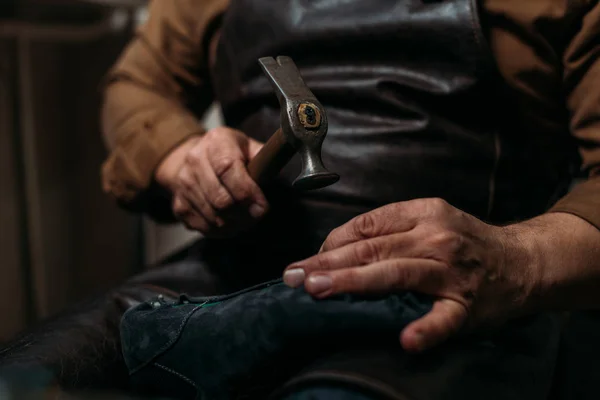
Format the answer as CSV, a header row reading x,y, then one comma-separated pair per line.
x,y
545,50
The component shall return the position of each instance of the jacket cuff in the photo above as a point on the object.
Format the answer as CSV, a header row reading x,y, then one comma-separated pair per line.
x,y
128,173
583,201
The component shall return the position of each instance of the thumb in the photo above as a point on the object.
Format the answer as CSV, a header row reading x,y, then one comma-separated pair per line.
x,y
446,318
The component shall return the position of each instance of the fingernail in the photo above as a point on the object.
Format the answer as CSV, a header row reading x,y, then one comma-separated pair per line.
x,y
294,277
256,210
319,283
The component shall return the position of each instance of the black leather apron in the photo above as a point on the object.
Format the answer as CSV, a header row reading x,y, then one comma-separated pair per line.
x,y
415,105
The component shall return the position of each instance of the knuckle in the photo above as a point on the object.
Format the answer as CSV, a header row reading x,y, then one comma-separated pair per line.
x,y
367,251
401,277
193,157
448,241
365,226
437,206
186,180
391,276
221,199
244,192
439,203
323,262
223,164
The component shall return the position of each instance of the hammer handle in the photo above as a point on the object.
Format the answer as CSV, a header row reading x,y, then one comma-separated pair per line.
x,y
274,155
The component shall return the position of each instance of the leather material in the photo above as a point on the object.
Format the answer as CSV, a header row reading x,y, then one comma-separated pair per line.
x,y
411,94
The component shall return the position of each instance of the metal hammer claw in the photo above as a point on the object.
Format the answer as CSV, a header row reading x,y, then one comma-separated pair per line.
x,y
303,129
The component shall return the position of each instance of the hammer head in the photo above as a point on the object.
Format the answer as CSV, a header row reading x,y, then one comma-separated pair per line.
x,y
303,121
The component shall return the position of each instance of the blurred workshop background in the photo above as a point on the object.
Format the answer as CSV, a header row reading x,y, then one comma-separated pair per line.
x,y
61,238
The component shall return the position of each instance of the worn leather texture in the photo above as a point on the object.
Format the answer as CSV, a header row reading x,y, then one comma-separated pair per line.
x,y
411,94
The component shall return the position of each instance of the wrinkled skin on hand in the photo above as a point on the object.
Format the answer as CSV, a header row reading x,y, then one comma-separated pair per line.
x,y
479,273
212,190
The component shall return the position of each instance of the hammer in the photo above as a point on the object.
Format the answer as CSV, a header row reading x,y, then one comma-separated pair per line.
x,y
303,129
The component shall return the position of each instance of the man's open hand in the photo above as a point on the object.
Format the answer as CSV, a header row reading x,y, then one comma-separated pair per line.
x,y
212,190
479,273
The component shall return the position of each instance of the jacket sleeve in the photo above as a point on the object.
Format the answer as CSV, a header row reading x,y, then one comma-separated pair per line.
x,y
153,99
582,95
